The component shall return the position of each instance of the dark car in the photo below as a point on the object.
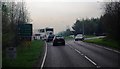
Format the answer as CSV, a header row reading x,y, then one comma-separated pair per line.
x,y
58,40
50,38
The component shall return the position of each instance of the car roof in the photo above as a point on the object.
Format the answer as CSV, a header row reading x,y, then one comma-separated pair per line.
x,y
58,36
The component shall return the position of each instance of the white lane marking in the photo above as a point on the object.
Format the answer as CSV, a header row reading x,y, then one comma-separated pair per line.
x,y
108,49
116,51
113,50
71,47
78,51
44,56
85,56
82,54
90,60
98,66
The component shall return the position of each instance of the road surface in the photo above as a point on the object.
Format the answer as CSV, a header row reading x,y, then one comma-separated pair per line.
x,y
80,54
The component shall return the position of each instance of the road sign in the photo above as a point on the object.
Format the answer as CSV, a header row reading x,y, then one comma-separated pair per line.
x,y
25,31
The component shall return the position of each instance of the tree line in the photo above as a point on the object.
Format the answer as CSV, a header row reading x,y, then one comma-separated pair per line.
x,y
87,26
92,26
13,13
108,24
111,20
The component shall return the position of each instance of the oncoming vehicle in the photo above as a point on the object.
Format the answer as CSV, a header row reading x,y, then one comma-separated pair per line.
x,y
58,40
46,33
50,38
79,37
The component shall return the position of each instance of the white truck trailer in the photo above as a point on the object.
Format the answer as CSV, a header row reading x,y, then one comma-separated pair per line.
x,y
46,32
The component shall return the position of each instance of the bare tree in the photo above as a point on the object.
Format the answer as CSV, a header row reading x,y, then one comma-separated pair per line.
x,y
13,13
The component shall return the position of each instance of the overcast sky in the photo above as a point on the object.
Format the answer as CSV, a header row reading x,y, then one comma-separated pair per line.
x,y
59,15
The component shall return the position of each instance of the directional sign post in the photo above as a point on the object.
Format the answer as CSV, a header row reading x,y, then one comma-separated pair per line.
x,y
25,31
11,52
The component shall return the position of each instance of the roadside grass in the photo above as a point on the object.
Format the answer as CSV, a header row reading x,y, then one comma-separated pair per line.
x,y
108,43
89,36
86,36
26,56
68,38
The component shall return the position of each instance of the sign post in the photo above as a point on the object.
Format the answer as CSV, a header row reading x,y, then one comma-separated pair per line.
x,y
11,52
25,32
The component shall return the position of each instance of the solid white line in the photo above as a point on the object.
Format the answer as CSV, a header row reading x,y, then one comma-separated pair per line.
x,y
113,50
107,48
116,51
110,49
44,56
90,60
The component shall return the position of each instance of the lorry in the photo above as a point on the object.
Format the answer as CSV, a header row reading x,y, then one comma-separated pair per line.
x,y
47,33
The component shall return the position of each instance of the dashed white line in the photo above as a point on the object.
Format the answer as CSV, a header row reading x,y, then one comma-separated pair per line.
x,y
44,56
82,54
78,51
85,57
90,60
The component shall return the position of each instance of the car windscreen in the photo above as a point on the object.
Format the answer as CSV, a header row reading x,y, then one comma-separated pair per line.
x,y
59,37
51,36
79,35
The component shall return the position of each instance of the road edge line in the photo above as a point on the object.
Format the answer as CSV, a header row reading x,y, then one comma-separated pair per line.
x,y
107,48
44,56
104,47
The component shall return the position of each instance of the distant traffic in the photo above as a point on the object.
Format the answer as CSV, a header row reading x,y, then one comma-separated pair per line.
x,y
47,34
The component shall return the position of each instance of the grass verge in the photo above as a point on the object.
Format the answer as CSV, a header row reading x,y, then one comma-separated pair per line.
x,y
108,43
68,38
89,36
86,36
26,56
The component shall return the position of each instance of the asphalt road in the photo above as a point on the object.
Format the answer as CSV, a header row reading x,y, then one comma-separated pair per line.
x,y
80,54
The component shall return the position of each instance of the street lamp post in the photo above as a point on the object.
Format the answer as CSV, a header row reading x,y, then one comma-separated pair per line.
x,y
83,28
